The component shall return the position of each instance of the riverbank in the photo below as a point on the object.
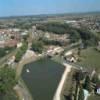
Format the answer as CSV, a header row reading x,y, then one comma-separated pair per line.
x,y
21,64
21,89
63,79
61,85
44,71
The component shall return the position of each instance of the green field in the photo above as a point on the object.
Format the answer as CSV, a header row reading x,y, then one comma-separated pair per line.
x,y
90,58
95,97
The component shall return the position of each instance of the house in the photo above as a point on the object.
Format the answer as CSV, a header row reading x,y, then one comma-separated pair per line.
x,y
98,89
68,53
93,73
24,33
11,60
2,44
9,38
73,59
11,43
69,56
54,50
19,45
86,94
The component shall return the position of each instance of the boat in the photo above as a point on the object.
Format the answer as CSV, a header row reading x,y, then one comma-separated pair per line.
x,y
27,70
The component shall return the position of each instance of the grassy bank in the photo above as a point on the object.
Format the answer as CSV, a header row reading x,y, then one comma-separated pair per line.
x,y
68,86
90,58
94,97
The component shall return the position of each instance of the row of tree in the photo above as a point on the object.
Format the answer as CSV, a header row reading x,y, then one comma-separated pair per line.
x,y
85,35
56,28
7,83
37,46
4,51
83,82
53,42
21,52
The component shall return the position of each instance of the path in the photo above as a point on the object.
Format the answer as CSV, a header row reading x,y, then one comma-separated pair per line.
x,y
8,56
63,79
22,92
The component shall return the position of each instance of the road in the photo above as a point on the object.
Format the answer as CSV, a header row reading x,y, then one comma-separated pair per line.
x,y
63,79
5,58
22,91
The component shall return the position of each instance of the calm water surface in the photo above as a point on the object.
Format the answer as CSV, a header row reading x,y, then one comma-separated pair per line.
x,y
43,78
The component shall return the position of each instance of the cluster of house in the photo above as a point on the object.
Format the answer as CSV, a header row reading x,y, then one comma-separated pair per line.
x,y
75,23
54,50
10,37
92,23
71,56
62,38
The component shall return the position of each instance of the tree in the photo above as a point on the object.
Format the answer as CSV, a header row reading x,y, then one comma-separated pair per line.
x,y
37,46
3,51
19,55
25,37
95,79
87,84
79,51
57,28
21,52
7,80
81,94
79,76
88,38
74,35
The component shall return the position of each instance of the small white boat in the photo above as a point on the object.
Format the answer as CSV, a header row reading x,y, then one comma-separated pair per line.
x,y
27,70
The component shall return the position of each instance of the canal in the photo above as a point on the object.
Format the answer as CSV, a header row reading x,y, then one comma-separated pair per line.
x,y
42,78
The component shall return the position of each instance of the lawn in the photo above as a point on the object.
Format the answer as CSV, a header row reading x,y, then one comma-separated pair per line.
x,y
90,58
94,97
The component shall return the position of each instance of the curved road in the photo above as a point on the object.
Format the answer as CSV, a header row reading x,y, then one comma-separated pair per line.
x,y
63,79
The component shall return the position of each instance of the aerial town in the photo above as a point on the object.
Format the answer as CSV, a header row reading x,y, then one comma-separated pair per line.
x,y
56,57
49,49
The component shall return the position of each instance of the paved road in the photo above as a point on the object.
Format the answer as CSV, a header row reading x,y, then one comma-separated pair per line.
x,y
63,79
5,58
22,92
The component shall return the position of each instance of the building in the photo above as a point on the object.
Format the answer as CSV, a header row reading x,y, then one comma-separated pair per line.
x,y
54,50
98,89
9,37
86,94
